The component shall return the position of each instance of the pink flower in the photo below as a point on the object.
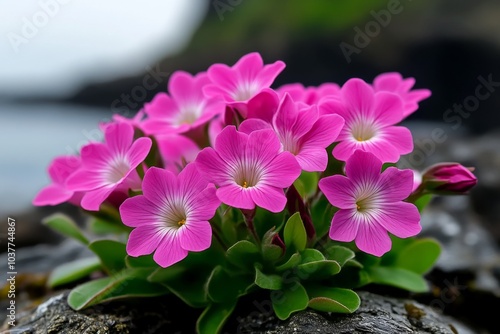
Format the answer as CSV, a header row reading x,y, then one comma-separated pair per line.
x,y
369,122
301,132
176,151
371,204
309,95
172,215
448,178
249,169
56,193
184,109
393,82
108,166
239,83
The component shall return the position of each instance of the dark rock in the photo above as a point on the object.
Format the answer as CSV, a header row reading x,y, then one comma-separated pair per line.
x,y
377,314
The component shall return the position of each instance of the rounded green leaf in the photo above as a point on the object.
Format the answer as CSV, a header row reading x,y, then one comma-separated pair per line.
x,y
336,300
419,256
213,318
243,254
112,254
398,277
311,255
66,226
145,261
73,271
318,269
223,287
293,261
125,284
340,254
291,299
295,233
269,282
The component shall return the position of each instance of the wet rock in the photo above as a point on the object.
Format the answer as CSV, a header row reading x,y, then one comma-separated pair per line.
x,y
377,314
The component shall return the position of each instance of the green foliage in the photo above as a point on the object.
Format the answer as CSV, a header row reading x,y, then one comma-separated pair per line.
x,y
124,284
66,226
73,271
288,300
213,318
328,299
295,233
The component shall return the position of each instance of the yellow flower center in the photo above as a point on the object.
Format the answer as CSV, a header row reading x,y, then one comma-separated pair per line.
x,y
181,222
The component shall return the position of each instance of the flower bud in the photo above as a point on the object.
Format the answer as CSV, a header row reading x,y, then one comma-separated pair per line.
x,y
448,178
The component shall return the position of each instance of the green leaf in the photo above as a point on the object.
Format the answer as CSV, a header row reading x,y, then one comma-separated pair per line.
x,y
243,254
318,269
269,282
307,184
213,318
125,284
223,287
368,260
419,256
398,277
145,261
112,254
340,254
291,299
270,251
311,255
295,233
66,226
99,226
423,201
326,299
229,230
293,261
189,286
73,271
321,213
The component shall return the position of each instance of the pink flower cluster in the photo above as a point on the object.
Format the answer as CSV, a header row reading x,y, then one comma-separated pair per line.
x,y
225,136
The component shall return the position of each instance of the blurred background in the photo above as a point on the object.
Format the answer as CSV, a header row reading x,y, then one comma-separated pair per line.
x,y
66,65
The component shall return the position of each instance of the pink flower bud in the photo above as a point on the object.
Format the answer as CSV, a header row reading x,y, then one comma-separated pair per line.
x,y
449,178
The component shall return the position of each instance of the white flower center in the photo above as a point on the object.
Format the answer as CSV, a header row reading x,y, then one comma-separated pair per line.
x,y
247,174
367,198
245,91
174,214
116,170
290,143
188,115
363,129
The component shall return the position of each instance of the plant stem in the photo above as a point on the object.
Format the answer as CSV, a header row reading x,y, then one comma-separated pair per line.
x,y
249,216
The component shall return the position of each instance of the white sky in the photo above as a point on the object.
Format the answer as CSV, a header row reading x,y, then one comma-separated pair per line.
x,y
55,46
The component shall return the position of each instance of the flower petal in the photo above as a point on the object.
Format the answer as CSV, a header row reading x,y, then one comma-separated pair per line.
x,y
138,211
358,96
388,108
339,191
53,194
363,167
143,241
372,238
230,144
399,137
282,171
93,199
119,137
253,124
159,185
401,219
195,236
236,196
262,147
396,184
269,198
139,151
212,166
169,250
344,226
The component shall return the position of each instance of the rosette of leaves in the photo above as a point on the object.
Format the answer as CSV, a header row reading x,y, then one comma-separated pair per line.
x,y
289,255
